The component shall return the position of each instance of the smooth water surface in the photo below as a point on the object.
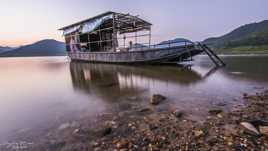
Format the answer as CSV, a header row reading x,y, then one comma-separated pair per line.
x,y
41,92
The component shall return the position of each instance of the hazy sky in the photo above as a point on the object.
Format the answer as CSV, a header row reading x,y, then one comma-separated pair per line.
x,y
27,21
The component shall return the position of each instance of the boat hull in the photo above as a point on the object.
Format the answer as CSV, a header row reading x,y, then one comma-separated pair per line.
x,y
149,56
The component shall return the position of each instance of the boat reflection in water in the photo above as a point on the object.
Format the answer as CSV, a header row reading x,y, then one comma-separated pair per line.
x,y
114,82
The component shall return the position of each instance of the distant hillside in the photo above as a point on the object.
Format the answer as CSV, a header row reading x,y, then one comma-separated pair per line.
x,y
4,49
177,40
41,48
247,37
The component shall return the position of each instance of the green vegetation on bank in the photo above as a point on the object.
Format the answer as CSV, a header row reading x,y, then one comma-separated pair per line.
x,y
263,49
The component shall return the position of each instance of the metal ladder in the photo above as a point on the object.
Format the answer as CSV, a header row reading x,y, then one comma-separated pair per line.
x,y
216,60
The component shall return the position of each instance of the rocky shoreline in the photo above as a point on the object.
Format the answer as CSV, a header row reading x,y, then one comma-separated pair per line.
x,y
150,128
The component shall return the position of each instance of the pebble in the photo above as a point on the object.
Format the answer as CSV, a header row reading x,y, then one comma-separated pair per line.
x,y
215,111
76,131
198,133
123,143
219,115
263,130
250,127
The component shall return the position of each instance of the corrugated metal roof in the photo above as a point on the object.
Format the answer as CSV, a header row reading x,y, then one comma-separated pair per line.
x,y
99,16
86,20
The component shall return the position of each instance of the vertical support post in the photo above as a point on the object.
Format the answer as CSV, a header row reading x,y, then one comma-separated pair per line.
x,y
88,43
136,40
150,36
124,41
114,32
100,43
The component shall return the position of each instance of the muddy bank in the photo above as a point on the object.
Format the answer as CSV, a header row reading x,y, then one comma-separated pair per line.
x,y
159,126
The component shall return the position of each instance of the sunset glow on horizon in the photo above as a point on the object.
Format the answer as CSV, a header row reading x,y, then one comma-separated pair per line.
x,y
28,21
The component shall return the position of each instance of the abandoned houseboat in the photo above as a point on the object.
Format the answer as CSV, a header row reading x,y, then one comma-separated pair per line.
x,y
122,38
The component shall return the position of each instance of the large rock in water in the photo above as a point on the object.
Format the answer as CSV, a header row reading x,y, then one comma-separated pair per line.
x,y
156,99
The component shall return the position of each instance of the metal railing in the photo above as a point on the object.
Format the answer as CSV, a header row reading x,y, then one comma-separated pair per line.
x,y
147,46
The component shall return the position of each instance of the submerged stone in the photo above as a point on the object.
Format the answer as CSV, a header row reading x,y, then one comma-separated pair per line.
x,y
156,99
222,104
145,110
178,113
215,111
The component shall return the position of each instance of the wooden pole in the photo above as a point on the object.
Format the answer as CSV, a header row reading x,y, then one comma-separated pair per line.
x,y
136,40
88,35
100,40
150,36
114,36
124,41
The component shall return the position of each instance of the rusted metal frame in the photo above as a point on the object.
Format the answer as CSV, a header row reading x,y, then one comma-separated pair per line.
x,y
100,43
189,51
109,28
89,41
130,21
77,34
210,56
128,16
138,47
124,38
223,64
95,41
150,36
119,15
136,38
86,20
169,44
137,27
142,35
131,30
114,33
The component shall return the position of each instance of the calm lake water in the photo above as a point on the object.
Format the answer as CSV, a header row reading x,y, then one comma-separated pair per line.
x,y
41,92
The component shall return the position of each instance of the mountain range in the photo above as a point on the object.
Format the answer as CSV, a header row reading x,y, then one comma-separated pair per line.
x,y
249,37
48,47
252,38
4,49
